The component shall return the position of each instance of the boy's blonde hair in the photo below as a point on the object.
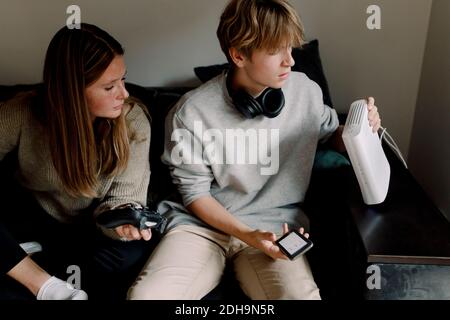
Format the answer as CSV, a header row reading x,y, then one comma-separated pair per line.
x,y
259,24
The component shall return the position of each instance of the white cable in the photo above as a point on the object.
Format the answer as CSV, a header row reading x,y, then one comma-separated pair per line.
x,y
382,134
385,135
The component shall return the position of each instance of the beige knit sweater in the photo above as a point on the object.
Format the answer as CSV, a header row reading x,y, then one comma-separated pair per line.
x,y
18,129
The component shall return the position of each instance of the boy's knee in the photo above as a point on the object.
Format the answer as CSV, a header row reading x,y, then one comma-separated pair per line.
x,y
155,290
307,290
145,290
140,292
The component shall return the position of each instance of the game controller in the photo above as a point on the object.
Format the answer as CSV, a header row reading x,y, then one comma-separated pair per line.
x,y
140,217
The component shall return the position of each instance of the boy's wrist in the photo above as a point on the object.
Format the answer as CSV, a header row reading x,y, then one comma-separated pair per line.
x,y
247,236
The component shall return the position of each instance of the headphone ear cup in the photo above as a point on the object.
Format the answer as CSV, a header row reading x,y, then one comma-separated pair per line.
x,y
247,105
272,102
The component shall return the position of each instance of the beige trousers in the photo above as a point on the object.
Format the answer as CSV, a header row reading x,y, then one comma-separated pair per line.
x,y
189,262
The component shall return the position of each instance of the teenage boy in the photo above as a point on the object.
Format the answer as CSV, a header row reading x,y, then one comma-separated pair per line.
x,y
240,149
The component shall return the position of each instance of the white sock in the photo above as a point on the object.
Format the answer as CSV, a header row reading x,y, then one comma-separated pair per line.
x,y
56,289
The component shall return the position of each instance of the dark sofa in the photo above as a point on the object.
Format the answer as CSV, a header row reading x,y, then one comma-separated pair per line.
x,y
333,203
339,258
324,226
347,234
329,216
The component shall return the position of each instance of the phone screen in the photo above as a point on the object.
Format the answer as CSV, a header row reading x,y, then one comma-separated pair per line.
x,y
292,243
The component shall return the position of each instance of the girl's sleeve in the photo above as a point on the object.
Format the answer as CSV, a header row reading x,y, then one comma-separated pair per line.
x,y
12,116
130,187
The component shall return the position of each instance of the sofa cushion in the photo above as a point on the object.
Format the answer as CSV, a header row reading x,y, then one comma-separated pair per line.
x,y
307,60
329,159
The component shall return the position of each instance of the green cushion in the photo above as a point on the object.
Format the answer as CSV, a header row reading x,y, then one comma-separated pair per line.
x,y
329,159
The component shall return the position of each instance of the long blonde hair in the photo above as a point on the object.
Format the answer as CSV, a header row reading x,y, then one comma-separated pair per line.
x,y
259,24
81,150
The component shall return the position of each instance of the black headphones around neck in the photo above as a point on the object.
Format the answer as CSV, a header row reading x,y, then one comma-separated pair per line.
x,y
269,103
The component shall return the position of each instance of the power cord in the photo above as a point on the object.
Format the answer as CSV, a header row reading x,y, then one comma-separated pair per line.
x,y
391,143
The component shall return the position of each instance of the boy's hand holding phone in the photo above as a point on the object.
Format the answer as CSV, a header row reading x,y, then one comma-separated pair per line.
x,y
294,243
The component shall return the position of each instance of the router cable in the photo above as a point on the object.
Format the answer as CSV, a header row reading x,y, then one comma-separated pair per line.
x,y
391,143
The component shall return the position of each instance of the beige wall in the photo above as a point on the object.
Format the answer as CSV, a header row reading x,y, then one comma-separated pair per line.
x,y
164,39
430,143
384,63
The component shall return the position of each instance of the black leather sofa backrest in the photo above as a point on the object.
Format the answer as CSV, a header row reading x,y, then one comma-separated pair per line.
x,y
159,100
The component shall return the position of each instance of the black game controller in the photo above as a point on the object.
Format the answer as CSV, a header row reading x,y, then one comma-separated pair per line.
x,y
140,217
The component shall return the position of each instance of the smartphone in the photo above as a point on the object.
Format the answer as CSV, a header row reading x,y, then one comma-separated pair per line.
x,y
294,244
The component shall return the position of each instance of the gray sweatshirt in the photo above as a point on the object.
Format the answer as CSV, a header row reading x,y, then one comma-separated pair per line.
x,y
19,129
258,169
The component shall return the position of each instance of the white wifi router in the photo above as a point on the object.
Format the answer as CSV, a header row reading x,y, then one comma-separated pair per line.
x,y
366,154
